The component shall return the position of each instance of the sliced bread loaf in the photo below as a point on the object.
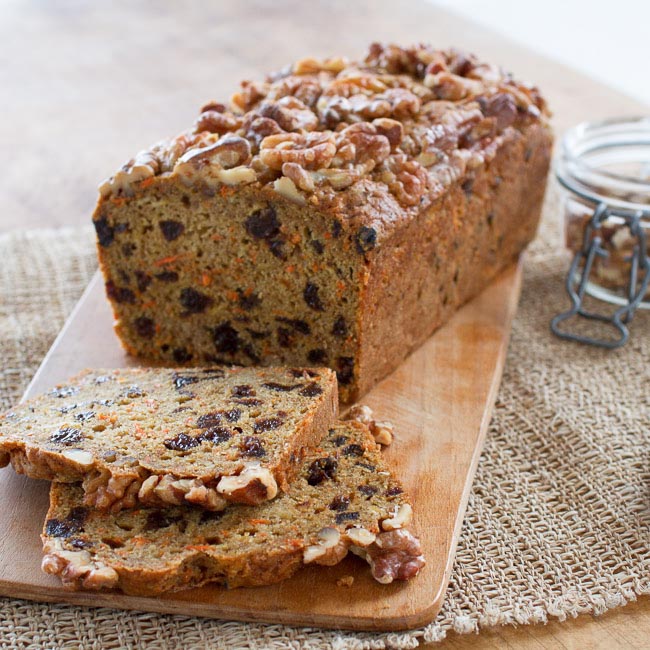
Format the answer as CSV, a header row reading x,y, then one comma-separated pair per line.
x,y
343,499
161,436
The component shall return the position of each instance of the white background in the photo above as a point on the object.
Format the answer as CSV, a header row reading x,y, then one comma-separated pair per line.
x,y
606,39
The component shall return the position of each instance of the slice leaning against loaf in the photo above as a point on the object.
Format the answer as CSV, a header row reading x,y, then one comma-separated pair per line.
x,y
204,436
343,499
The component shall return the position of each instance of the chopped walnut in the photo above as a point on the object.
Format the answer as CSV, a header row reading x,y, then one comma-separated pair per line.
x,y
360,536
251,92
401,517
306,89
236,175
366,144
143,166
289,113
392,130
382,432
299,176
395,555
79,456
169,490
206,497
105,491
229,151
406,179
157,490
217,122
310,150
361,413
287,188
329,550
257,128
450,86
4,458
312,66
252,486
76,568
146,493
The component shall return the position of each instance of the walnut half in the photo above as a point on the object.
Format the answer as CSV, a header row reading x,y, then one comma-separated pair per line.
x,y
395,555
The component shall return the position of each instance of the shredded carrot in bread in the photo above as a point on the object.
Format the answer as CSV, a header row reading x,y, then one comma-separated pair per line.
x,y
165,261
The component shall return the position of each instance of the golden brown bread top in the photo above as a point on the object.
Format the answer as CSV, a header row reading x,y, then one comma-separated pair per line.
x,y
392,131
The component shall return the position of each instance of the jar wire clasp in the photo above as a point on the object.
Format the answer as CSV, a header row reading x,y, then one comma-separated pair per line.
x,y
580,271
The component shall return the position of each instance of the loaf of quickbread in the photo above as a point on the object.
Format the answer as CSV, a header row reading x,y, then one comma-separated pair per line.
x,y
334,214
343,499
201,436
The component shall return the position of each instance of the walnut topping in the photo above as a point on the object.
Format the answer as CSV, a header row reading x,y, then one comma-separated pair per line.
x,y
312,66
252,486
4,458
401,517
143,166
76,568
229,151
289,113
217,121
395,555
392,130
329,550
299,176
287,188
452,87
399,122
309,150
236,175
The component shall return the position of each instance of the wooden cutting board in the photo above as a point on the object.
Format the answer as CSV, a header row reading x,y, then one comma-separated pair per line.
x,y
440,401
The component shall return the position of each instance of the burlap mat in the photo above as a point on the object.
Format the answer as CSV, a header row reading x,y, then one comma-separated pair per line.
x,y
558,521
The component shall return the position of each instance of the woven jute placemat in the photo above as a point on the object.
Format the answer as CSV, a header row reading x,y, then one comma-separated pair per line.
x,y
558,521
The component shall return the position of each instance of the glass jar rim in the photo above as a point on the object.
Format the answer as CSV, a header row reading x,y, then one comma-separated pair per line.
x,y
614,136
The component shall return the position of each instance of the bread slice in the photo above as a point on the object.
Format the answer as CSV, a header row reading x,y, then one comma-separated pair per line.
x,y
343,499
204,436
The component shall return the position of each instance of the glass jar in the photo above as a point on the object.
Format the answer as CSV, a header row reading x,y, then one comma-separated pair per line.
x,y
605,166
